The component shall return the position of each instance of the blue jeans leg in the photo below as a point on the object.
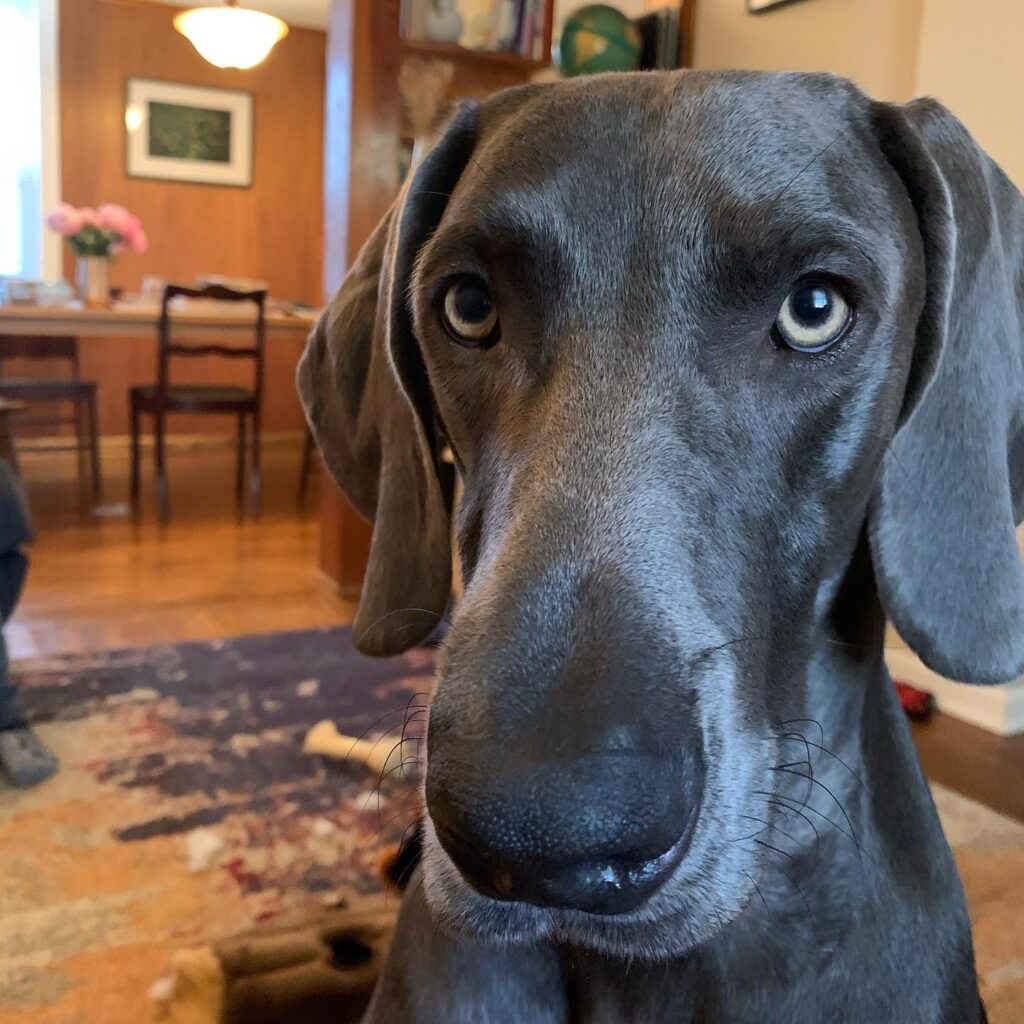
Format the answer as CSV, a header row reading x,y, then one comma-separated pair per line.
x,y
12,712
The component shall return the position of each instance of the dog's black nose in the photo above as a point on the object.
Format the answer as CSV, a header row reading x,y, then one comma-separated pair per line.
x,y
599,835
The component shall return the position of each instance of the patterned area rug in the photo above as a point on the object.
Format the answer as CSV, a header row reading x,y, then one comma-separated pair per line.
x,y
193,752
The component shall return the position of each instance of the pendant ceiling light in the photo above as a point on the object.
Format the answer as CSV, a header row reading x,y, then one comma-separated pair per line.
x,y
229,36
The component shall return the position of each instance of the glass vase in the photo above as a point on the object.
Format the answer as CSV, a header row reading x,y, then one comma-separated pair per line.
x,y
93,279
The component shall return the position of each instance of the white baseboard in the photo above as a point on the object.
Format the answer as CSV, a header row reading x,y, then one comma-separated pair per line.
x,y
998,709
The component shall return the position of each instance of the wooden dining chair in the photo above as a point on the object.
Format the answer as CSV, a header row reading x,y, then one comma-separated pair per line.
x,y
8,449
163,397
60,392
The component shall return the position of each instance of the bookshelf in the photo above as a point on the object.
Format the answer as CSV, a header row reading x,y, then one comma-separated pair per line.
x,y
473,58
515,33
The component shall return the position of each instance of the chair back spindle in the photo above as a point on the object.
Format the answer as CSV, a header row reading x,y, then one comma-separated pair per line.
x,y
169,347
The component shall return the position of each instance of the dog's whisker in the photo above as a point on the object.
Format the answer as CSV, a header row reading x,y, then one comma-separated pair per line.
x,y
773,802
397,882
774,828
398,746
757,889
706,651
824,817
753,835
814,159
809,775
805,721
774,849
389,714
395,711
891,449
405,726
385,772
414,825
821,785
836,643
797,736
829,753
394,817
376,791
403,763
387,615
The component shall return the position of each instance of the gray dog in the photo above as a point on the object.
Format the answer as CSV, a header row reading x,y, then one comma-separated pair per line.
x,y
732,368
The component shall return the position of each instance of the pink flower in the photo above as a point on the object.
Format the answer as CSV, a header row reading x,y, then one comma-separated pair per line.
x,y
124,225
116,229
133,238
111,217
65,220
140,243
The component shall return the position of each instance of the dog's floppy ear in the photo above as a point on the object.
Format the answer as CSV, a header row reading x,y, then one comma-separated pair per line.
x,y
951,488
366,395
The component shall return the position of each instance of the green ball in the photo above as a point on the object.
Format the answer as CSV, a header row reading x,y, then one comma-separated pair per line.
x,y
599,38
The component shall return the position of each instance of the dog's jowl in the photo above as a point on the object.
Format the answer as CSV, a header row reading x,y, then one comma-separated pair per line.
x,y
732,369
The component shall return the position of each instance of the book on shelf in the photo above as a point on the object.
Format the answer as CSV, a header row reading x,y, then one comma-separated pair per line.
x,y
515,26
660,39
496,26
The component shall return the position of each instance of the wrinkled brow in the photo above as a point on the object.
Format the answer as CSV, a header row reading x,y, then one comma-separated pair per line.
x,y
533,252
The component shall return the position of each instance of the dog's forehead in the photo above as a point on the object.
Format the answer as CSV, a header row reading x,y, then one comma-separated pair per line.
x,y
661,140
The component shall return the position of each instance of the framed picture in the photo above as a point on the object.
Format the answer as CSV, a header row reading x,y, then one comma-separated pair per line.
x,y
188,133
760,6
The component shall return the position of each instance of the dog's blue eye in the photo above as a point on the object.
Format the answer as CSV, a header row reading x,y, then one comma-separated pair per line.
x,y
814,317
469,314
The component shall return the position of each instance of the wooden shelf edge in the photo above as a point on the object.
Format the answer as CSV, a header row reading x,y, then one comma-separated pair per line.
x,y
477,58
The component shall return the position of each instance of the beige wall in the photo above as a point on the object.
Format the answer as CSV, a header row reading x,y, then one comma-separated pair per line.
x,y
967,53
971,58
874,42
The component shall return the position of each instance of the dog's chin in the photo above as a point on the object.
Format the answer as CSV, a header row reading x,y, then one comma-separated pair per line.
x,y
696,902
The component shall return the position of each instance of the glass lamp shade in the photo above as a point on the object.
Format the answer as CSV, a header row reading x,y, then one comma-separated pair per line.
x,y
231,37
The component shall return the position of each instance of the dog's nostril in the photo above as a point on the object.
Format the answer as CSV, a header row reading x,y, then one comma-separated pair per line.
x,y
602,887
599,837
596,887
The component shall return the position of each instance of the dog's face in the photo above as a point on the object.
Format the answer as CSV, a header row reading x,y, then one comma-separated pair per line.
x,y
671,327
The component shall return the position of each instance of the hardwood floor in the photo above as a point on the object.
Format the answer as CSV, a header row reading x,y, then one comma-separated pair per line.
x,y
99,581
110,581
969,760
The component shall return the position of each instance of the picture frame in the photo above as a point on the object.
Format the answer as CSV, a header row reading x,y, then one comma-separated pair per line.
x,y
188,133
763,6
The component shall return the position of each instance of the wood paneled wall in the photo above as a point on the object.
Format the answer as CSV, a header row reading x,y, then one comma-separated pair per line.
x,y
272,231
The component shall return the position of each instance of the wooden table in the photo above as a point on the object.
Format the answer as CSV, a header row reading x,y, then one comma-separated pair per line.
x,y
140,321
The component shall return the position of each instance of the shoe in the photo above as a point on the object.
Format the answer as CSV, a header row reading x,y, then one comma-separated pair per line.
x,y
24,761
